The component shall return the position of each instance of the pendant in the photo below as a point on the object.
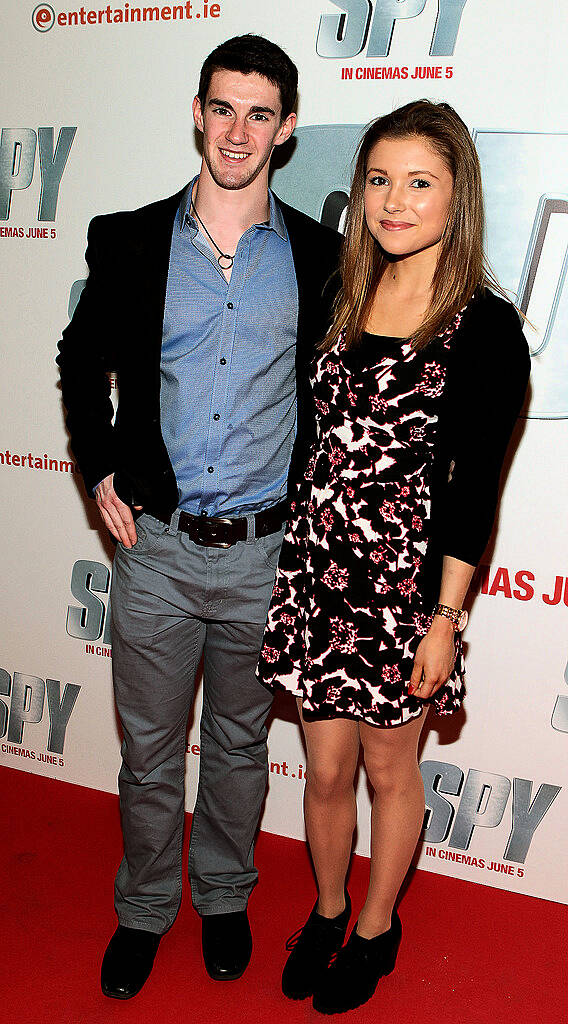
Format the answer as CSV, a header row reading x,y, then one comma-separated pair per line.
x,y
225,257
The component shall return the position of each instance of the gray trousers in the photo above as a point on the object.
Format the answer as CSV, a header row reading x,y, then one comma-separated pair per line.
x,y
171,602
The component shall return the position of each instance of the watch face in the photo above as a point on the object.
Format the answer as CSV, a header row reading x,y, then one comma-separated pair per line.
x,y
462,621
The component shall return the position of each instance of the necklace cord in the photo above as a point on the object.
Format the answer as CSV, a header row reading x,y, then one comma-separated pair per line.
x,y
222,255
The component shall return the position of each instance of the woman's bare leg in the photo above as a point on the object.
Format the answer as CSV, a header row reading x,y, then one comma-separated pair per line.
x,y
396,819
329,805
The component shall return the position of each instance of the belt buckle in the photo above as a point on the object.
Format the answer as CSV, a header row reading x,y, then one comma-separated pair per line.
x,y
210,542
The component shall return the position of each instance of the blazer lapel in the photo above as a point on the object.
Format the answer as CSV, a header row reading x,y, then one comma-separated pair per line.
x,y
315,251
299,253
155,235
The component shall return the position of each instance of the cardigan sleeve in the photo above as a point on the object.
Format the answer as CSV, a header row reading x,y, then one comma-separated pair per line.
x,y
486,385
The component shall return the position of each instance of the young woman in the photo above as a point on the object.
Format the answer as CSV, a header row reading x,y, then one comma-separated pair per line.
x,y
417,388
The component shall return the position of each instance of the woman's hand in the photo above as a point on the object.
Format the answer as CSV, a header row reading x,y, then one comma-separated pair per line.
x,y
434,659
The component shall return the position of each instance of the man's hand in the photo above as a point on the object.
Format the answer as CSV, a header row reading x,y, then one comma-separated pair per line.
x,y
117,516
434,659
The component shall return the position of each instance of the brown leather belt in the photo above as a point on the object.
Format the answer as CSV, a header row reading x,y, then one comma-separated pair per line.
x,y
218,532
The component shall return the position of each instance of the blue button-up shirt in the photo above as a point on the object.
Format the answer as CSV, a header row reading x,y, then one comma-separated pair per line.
x,y
228,384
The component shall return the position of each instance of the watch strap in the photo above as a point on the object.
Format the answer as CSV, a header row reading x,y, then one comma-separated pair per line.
x,y
455,615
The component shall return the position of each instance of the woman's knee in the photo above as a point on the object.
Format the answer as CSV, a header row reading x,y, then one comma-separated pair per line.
x,y
329,779
390,771
391,756
333,750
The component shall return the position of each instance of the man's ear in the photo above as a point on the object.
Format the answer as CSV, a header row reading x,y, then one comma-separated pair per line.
x,y
285,130
197,114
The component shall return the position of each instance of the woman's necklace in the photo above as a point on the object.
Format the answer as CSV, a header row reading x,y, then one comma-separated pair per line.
x,y
222,255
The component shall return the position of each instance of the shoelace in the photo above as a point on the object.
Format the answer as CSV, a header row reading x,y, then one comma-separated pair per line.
x,y
293,939
347,958
314,934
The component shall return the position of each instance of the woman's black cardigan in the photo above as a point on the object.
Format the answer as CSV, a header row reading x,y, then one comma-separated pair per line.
x,y
487,376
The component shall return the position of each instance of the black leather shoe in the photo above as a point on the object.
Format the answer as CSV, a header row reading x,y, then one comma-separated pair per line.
x,y
354,974
312,949
128,961
226,941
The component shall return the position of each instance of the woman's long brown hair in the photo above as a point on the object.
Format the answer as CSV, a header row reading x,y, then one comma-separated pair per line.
x,y
461,268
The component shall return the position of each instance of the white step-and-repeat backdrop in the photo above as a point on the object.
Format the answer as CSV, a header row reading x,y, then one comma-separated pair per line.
x,y
96,117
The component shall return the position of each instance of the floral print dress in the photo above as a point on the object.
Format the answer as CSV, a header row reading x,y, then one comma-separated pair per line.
x,y
347,614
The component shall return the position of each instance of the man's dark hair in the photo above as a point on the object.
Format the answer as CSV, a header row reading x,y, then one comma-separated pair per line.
x,y
252,54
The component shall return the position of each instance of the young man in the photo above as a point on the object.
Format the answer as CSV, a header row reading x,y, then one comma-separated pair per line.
x,y
208,306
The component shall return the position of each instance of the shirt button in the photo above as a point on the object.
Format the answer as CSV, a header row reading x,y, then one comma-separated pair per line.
x,y
203,511
223,361
210,469
230,305
216,416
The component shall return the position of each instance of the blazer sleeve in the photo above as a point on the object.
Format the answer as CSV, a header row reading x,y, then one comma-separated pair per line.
x,y
86,356
485,392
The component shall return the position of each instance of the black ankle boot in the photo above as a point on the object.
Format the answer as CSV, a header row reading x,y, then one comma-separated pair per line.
x,y
312,948
353,976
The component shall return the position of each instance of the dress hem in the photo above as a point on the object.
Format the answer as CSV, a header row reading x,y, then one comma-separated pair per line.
x,y
331,713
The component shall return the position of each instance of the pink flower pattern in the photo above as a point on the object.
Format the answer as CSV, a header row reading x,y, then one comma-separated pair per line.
x,y
391,673
388,510
343,636
421,622
322,407
270,654
406,587
378,555
335,577
326,519
379,404
432,381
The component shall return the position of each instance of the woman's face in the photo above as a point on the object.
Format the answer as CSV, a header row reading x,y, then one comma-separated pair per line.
x,y
408,189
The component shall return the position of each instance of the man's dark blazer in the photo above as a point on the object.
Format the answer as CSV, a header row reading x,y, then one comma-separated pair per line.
x,y
117,326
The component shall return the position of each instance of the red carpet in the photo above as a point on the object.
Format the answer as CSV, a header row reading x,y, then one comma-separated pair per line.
x,y
470,954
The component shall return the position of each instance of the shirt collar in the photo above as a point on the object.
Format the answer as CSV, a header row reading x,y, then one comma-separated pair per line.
x,y
185,214
275,220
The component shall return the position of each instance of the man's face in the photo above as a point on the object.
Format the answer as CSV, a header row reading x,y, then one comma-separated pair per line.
x,y
240,123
